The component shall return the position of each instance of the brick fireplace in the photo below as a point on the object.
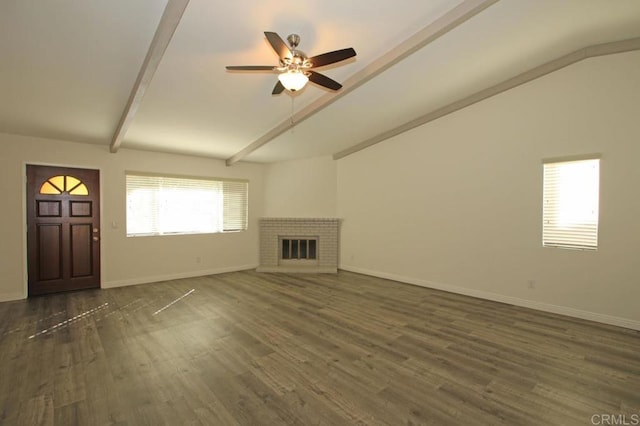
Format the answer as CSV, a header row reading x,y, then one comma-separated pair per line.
x,y
299,245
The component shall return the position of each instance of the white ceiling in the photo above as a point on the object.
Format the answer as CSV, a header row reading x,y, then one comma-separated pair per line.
x,y
67,67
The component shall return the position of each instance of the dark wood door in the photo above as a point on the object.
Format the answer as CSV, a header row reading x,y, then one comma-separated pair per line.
x,y
63,229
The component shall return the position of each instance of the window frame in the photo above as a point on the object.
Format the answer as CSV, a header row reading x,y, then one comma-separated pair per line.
x,y
579,235
228,192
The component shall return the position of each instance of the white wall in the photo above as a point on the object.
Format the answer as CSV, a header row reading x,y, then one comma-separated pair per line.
x,y
301,188
456,203
124,260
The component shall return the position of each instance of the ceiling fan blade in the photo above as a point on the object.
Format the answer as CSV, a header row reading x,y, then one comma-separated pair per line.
x,y
279,88
332,57
278,45
251,68
323,80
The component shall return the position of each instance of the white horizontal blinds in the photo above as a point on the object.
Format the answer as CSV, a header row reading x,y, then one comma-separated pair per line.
x,y
236,205
160,205
143,204
570,204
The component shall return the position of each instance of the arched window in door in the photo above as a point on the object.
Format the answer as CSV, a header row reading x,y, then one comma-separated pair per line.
x,y
57,185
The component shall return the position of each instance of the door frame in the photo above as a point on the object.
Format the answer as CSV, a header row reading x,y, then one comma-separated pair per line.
x,y
25,253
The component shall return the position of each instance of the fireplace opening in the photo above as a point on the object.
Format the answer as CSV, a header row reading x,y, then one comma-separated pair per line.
x,y
299,248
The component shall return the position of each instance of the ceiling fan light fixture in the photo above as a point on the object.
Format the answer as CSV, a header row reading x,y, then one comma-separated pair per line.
x,y
293,80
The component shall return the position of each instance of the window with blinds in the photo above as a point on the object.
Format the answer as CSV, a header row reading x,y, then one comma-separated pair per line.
x,y
165,205
570,204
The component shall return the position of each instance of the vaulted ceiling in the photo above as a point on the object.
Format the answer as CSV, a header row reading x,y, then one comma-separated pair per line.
x,y
92,71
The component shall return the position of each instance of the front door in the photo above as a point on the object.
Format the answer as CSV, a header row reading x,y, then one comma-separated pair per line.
x,y
63,229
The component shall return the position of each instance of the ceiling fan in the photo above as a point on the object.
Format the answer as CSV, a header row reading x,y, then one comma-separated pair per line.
x,y
295,68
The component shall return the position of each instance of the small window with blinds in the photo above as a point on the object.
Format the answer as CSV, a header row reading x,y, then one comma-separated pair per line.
x,y
169,205
570,204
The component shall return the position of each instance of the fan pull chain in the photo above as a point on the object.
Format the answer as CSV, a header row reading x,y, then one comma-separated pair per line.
x,y
292,112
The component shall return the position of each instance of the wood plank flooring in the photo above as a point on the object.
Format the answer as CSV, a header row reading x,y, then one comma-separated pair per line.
x,y
267,349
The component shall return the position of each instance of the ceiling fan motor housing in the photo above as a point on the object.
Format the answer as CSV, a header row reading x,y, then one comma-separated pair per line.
x,y
294,40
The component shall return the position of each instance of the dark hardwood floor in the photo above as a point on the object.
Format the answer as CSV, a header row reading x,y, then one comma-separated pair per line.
x,y
267,349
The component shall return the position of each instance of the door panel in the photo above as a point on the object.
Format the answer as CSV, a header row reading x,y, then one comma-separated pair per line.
x,y
80,209
81,262
49,208
50,245
63,224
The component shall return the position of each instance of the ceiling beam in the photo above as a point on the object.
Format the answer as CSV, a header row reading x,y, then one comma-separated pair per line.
x,y
166,28
447,22
525,77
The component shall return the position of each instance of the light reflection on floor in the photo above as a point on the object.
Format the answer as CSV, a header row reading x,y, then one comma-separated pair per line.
x,y
122,311
68,321
175,301
28,324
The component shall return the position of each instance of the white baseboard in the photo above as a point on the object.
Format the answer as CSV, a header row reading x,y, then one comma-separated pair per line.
x,y
8,297
189,274
532,304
